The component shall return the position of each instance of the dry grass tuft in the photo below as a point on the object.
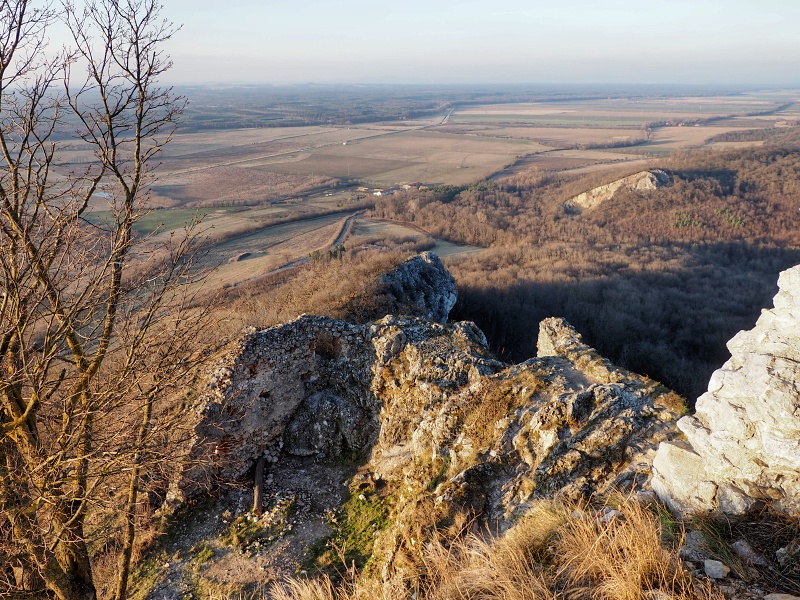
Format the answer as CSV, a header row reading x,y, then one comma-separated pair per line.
x,y
555,551
620,558
306,589
511,567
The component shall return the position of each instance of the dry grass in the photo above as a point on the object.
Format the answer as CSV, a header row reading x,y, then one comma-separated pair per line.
x,y
342,288
555,551
621,559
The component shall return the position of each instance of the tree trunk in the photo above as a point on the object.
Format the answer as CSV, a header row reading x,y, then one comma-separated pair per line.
x,y
124,567
73,555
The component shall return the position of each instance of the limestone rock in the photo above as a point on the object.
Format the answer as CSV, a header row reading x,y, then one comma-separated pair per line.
x,y
715,569
743,444
326,425
748,555
643,181
428,402
422,287
262,381
694,547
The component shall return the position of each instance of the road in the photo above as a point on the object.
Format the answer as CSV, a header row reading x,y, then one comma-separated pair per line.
x,y
345,229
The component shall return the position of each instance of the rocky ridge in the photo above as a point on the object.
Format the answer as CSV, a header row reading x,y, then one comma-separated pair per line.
x,y
643,181
430,410
420,417
742,447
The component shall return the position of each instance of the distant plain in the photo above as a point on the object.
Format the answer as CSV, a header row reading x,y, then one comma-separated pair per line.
x,y
247,183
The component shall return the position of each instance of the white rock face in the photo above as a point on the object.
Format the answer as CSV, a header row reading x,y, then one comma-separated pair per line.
x,y
744,440
643,181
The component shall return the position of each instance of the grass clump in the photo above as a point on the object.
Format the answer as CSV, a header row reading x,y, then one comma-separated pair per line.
x,y
249,532
355,526
202,554
555,551
441,475
621,558
500,396
717,536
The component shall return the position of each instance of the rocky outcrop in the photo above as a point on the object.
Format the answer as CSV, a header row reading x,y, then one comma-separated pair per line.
x,y
433,410
742,446
265,383
421,287
643,181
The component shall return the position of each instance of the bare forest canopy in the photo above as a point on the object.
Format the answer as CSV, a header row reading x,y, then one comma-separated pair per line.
x,y
658,281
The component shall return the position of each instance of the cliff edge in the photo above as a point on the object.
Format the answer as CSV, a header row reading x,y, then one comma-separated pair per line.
x,y
742,447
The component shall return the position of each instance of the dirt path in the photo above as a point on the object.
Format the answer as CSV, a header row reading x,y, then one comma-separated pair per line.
x,y
340,237
197,559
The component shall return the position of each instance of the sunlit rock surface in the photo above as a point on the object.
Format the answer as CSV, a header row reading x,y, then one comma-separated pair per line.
x,y
742,447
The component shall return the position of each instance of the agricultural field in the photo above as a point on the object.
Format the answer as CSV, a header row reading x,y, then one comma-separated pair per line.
x,y
271,196
619,112
247,257
556,161
375,232
423,155
554,137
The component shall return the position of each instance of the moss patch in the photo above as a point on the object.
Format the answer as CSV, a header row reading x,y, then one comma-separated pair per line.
x,y
249,532
355,526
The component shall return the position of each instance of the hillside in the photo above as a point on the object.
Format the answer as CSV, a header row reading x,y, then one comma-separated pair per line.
x,y
401,455
658,280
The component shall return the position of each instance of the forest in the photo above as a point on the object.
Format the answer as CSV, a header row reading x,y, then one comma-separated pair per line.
x,y
657,281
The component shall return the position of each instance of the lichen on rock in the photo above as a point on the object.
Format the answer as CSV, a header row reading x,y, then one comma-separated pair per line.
x,y
410,395
448,431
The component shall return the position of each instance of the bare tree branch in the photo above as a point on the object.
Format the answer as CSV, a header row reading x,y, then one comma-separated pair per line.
x,y
96,323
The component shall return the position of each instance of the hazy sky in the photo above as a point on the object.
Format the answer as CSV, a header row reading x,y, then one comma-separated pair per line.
x,y
490,41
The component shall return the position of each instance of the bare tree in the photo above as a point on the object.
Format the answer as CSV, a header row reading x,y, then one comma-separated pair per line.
x,y
95,322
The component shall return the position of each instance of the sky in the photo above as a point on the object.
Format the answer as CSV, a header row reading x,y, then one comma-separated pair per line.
x,y
740,42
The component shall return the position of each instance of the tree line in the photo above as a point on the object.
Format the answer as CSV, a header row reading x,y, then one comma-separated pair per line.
x,y
658,281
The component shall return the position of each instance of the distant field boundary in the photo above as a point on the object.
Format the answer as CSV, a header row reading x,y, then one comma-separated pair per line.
x,y
341,234
408,224
211,241
416,227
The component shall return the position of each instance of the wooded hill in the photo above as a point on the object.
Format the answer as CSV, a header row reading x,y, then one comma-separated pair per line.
x,y
657,280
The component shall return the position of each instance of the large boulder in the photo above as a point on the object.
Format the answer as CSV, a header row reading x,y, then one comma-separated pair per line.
x,y
742,447
420,287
